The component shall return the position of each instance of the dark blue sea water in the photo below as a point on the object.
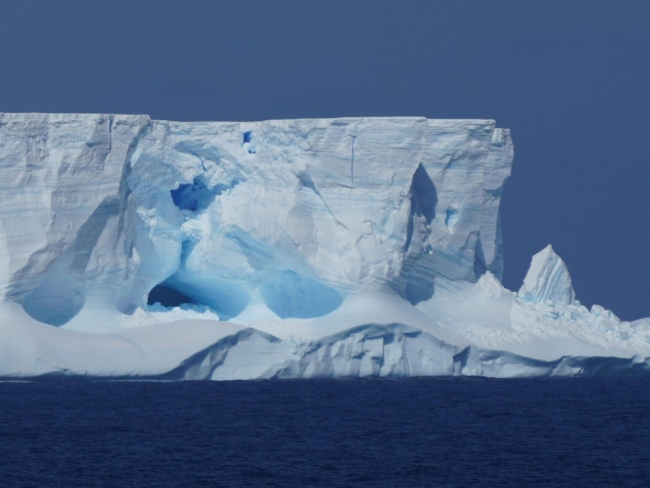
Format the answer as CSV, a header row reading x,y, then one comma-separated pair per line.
x,y
402,433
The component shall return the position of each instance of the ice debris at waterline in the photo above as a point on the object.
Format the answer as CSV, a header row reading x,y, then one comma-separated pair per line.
x,y
294,248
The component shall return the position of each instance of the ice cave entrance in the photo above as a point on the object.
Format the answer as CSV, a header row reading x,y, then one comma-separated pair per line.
x,y
168,297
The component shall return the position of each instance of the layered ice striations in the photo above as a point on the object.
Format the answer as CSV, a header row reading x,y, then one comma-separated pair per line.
x,y
325,248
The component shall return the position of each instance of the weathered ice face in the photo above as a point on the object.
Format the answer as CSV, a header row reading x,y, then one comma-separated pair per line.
x,y
294,214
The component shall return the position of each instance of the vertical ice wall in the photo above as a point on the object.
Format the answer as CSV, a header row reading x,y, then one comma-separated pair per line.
x,y
454,229
64,210
101,210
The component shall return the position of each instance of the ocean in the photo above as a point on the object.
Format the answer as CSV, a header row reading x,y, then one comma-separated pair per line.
x,y
434,432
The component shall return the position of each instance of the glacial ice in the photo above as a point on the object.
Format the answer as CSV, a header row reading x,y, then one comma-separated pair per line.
x,y
351,247
547,280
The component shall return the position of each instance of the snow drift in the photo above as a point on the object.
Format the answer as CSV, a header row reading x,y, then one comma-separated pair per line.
x,y
301,248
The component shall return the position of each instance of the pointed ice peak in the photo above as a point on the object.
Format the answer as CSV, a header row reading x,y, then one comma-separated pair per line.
x,y
547,280
490,284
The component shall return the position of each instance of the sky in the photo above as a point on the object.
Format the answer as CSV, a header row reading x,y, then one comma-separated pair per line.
x,y
570,78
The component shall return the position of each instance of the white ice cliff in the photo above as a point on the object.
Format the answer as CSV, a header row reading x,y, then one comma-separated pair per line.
x,y
299,248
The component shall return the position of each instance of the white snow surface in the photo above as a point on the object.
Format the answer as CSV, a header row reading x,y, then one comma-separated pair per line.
x,y
135,248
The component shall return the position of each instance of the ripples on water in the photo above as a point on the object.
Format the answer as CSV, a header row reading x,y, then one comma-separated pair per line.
x,y
402,433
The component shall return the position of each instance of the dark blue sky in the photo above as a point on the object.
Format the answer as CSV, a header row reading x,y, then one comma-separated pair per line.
x,y
570,78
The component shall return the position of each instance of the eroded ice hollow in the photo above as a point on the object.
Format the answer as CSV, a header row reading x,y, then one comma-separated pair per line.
x,y
324,247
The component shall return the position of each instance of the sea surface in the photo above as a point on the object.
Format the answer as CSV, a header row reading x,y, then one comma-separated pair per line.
x,y
331,433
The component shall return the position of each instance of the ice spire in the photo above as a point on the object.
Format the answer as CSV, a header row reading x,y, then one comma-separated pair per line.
x,y
547,280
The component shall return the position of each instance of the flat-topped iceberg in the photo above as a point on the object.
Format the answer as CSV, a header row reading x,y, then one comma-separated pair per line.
x,y
297,248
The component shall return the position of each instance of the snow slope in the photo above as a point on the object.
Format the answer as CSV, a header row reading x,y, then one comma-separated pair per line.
x,y
299,248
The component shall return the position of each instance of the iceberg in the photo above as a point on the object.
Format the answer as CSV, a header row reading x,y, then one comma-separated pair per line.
x,y
352,247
